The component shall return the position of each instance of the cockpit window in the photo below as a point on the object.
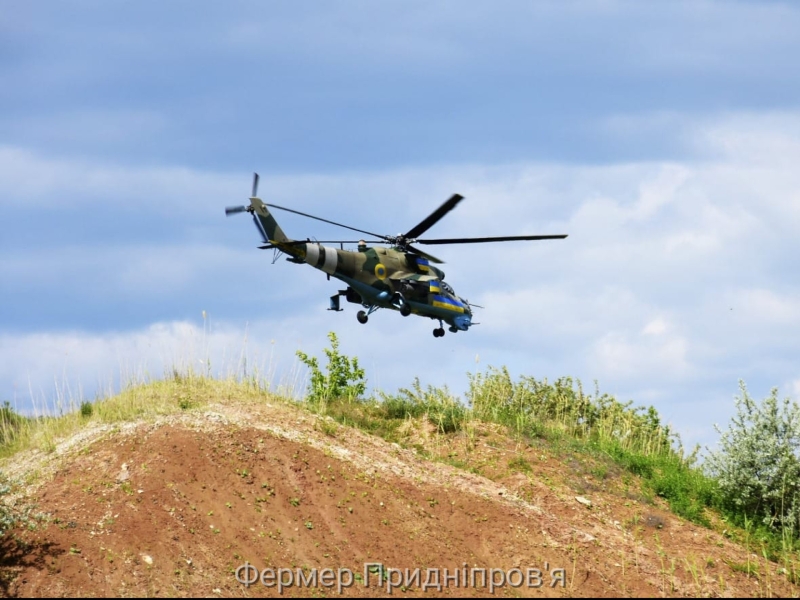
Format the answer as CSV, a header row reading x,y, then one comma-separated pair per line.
x,y
447,288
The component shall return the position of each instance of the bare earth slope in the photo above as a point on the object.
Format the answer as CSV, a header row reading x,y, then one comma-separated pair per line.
x,y
171,507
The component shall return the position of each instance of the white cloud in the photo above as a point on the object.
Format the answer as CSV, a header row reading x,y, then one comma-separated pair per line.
x,y
620,356
768,140
769,307
794,389
657,326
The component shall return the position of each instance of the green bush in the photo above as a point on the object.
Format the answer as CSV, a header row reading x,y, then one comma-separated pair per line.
x,y
86,409
758,463
344,379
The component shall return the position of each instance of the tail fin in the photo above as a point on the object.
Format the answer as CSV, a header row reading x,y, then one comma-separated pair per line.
x,y
266,223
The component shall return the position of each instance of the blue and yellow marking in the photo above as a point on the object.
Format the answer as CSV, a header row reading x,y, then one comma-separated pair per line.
x,y
423,263
434,287
448,303
380,271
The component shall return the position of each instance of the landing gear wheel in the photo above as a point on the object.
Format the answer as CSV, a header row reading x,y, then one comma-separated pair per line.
x,y
362,317
438,332
405,310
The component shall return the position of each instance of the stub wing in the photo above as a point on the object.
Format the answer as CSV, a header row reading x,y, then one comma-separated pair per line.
x,y
408,275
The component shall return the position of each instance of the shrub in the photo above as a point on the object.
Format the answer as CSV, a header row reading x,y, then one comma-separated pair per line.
x,y
86,409
757,464
345,379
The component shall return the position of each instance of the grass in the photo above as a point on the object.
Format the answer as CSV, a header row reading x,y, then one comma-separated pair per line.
x,y
173,395
599,425
386,416
616,436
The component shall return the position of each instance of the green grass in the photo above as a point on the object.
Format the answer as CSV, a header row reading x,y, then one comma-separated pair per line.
x,y
173,395
618,436
385,416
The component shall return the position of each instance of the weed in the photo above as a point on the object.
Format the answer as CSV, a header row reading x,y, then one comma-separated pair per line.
x,y
748,568
519,464
327,427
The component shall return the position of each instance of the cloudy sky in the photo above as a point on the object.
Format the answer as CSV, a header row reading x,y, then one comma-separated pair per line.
x,y
663,137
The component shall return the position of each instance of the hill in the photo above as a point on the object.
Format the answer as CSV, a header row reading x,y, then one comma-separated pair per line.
x,y
197,477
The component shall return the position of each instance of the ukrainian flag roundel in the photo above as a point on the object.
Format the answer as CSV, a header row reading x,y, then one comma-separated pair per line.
x,y
380,271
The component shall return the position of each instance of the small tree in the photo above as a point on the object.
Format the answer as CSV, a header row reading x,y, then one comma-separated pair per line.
x,y
345,379
758,462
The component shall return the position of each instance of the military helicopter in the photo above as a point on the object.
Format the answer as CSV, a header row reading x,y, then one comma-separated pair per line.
x,y
401,277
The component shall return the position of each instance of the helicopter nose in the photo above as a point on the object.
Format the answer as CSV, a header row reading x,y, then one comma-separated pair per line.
x,y
463,322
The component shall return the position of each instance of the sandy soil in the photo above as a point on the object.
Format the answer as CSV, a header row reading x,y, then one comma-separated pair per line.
x,y
176,507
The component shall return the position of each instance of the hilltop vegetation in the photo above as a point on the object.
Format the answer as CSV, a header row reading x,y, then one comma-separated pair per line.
x,y
753,481
748,490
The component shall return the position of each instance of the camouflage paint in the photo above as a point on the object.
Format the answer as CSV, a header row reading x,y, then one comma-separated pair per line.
x,y
376,273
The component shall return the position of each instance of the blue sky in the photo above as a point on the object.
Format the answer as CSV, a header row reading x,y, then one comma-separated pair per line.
x,y
663,137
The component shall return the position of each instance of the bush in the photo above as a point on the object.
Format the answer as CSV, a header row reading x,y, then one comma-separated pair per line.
x,y
345,379
86,409
757,464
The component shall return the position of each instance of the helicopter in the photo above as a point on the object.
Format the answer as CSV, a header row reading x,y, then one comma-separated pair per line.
x,y
401,277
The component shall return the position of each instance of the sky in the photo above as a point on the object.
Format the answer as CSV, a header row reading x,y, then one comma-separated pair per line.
x,y
662,137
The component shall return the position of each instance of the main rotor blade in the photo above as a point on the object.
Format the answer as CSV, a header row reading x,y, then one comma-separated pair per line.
x,y
294,242
260,230
424,254
298,242
480,240
255,186
302,214
232,210
432,218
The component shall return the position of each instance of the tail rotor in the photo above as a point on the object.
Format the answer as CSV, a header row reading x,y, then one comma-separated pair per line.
x,y
232,210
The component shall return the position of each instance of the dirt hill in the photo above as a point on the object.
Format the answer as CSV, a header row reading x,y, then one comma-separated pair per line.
x,y
175,505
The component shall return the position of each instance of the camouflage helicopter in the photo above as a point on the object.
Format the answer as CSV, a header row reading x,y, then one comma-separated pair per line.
x,y
401,277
